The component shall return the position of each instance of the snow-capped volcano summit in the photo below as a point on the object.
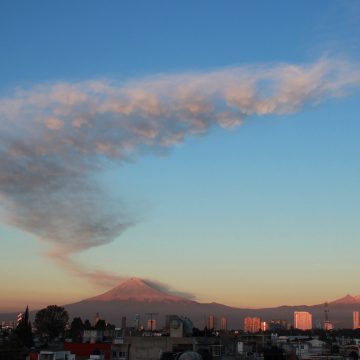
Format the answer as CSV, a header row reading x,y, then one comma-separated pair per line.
x,y
136,289
348,299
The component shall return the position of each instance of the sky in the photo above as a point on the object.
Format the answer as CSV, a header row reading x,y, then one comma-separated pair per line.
x,y
209,146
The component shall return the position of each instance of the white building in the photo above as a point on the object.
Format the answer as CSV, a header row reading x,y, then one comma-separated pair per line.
x,y
56,355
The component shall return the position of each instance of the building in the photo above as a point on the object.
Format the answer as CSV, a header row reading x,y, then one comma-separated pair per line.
x,y
211,322
302,320
51,355
168,319
151,324
318,324
123,322
278,325
252,324
165,347
178,326
264,326
8,324
356,320
305,347
95,336
223,324
137,321
328,326
86,350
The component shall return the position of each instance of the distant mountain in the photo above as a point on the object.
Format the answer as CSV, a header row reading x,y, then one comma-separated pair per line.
x,y
348,299
136,296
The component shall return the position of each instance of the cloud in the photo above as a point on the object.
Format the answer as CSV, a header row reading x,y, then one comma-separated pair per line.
x,y
55,137
98,277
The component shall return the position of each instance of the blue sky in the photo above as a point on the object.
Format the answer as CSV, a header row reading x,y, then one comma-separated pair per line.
x,y
85,39
263,214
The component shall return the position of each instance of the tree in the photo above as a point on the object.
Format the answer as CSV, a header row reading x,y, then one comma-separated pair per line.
x,y
51,321
87,325
23,331
76,329
110,326
100,325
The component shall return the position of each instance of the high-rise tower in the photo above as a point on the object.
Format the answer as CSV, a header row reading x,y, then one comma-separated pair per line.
x,y
356,320
252,324
302,320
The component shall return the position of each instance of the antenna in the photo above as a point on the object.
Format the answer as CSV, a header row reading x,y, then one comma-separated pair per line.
x,y
326,311
328,326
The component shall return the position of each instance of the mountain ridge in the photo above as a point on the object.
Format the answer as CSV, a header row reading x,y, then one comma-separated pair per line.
x,y
135,296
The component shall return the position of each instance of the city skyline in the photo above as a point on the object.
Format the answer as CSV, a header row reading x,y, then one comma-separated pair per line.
x,y
137,299
218,159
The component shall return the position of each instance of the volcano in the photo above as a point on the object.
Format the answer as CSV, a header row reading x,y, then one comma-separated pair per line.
x,y
348,299
136,289
132,298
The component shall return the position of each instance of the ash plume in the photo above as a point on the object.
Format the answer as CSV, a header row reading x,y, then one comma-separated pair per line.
x,y
168,289
55,137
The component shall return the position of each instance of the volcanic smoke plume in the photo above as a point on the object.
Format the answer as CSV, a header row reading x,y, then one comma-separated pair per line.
x,y
55,137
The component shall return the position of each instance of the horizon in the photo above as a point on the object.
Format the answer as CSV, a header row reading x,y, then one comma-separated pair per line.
x,y
211,150
164,289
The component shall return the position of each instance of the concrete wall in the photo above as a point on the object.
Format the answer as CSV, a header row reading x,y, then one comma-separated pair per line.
x,y
150,348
